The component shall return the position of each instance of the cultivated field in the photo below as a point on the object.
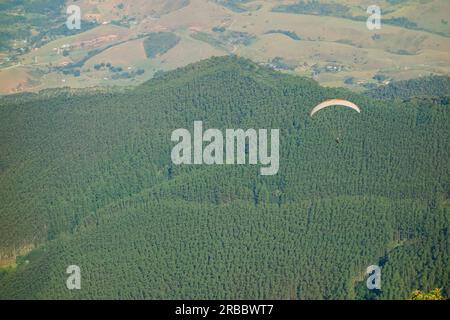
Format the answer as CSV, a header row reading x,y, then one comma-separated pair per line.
x,y
336,50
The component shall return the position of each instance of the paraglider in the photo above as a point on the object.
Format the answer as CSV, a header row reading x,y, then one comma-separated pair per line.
x,y
335,102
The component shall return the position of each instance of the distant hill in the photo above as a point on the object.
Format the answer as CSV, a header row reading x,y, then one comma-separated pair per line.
x,y
86,179
432,86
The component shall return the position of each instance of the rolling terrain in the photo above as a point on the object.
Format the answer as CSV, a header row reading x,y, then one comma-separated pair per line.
x,y
328,42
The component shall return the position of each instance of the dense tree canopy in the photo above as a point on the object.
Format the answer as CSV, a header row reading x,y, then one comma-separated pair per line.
x,y
86,179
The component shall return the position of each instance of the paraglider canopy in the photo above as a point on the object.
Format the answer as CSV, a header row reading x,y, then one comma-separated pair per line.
x,y
334,102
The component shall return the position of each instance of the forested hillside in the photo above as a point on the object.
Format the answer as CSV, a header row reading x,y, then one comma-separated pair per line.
x,y
86,178
432,86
